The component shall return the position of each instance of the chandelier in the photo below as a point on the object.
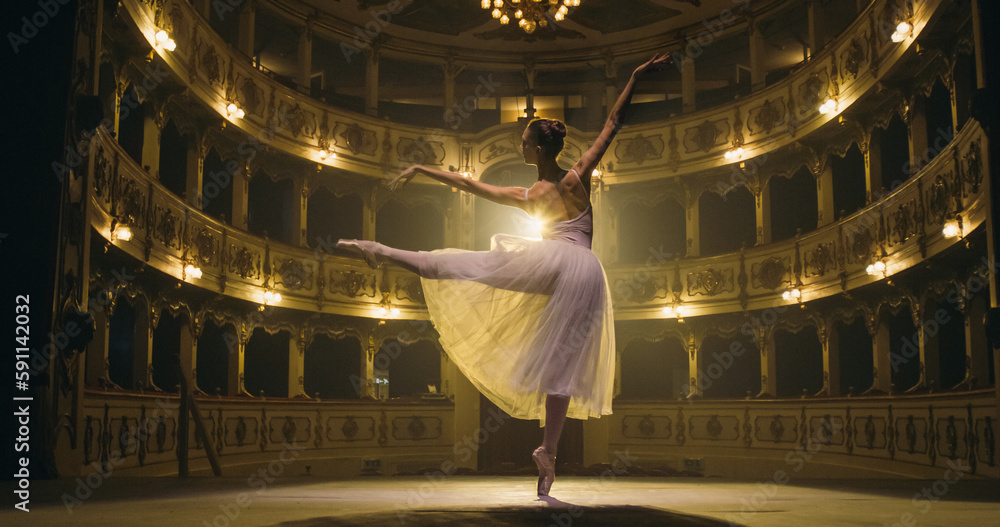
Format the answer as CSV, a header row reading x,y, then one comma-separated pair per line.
x,y
529,13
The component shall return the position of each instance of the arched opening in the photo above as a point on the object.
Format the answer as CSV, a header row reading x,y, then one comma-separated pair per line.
x,y
269,208
265,365
904,349
410,226
652,233
895,144
729,368
333,367
216,345
410,368
331,218
131,125
173,160
654,370
849,185
799,362
793,204
217,185
166,352
726,222
121,343
854,353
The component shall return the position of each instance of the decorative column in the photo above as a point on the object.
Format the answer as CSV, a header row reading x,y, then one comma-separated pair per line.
x,y
142,358
762,196
881,361
296,366
305,57
930,356
916,120
829,338
451,71
693,217
97,350
825,213
241,198
369,211
977,364
688,87
194,173
977,41
814,31
695,389
237,344
189,355
245,31
366,384
871,148
371,79
152,125
300,211
529,96
757,71
768,363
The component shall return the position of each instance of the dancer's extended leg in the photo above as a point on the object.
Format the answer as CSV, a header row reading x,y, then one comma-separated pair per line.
x,y
375,254
555,416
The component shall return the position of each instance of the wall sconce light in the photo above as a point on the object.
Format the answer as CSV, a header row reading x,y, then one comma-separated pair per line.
x,y
234,111
877,268
902,31
675,311
120,232
327,154
792,294
736,153
164,41
828,106
271,297
952,227
192,271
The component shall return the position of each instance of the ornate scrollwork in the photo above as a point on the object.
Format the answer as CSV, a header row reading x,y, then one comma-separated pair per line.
x,y
767,116
244,262
293,274
940,199
973,166
770,273
205,248
861,245
210,65
494,150
706,136
639,149
903,222
713,427
167,228
131,203
710,282
349,428
409,289
420,151
811,92
350,283
820,259
852,59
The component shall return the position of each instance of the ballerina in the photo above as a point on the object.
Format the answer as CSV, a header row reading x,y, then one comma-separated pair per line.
x,y
529,322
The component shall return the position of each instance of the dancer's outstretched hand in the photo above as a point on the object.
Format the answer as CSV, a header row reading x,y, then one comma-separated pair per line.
x,y
403,177
657,63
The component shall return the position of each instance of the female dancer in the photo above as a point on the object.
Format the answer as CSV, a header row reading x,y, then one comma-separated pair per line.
x,y
529,322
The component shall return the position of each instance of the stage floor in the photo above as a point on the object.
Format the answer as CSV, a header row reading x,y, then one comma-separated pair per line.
x,y
303,501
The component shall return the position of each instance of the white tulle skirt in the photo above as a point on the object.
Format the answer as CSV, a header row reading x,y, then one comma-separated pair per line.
x,y
526,319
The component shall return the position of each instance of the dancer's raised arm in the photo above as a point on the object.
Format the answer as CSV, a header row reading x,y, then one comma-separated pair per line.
x,y
513,196
592,157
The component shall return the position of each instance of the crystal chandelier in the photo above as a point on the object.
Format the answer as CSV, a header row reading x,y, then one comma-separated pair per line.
x,y
529,13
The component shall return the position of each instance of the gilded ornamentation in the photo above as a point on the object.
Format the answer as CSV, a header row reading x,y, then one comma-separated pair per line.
x,y
168,228
210,65
416,428
861,245
777,428
706,136
811,93
673,156
350,283
420,151
409,289
251,97
350,428
940,199
359,140
244,262
205,248
853,57
647,427
132,204
288,429
771,273
710,282
973,166
292,274
820,259
766,117
903,223
713,427
639,149
493,151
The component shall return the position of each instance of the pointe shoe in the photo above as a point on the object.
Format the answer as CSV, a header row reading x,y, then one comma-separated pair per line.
x,y
365,248
546,469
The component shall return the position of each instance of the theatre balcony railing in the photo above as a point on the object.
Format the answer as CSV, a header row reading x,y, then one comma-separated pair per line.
x,y
894,233
272,114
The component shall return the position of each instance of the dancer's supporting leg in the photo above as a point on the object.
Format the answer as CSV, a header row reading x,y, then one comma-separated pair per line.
x,y
555,416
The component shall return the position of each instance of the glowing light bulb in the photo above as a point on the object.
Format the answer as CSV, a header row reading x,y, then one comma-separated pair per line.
x,y
192,271
951,229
